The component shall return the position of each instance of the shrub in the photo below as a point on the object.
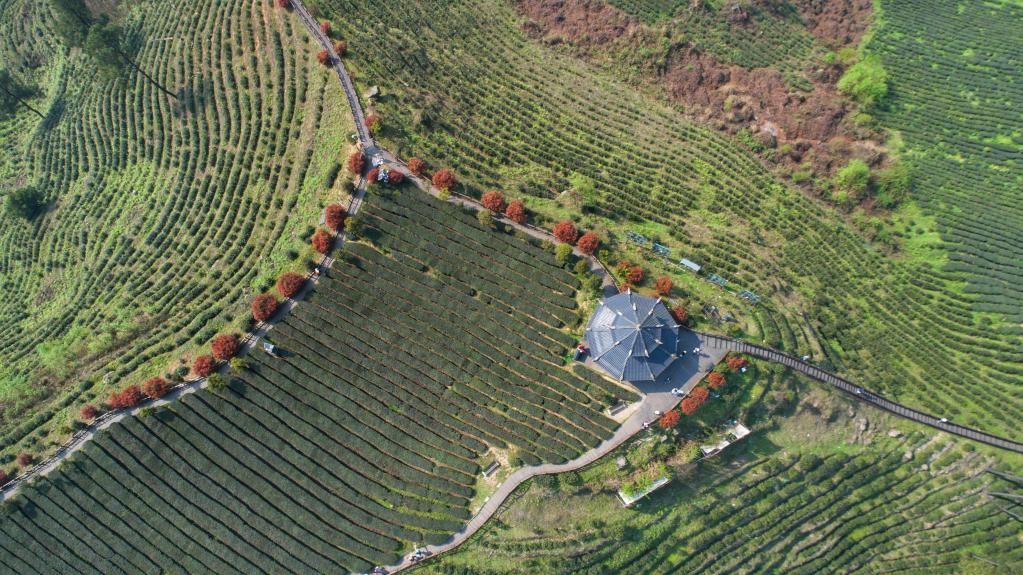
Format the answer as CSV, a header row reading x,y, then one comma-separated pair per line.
x,y
88,412
516,212
695,400
226,345
323,57
322,241
341,47
853,178
356,162
263,307
669,420
715,380
288,285
204,365
415,165
444,179
582,266
623,265
4,478
335,216
25,459
866,82
565,231
634,275
736,362
127,397
155,387
485,218
588,243
372,122
284,4
238,364
663,285
494,201
680,314
325,27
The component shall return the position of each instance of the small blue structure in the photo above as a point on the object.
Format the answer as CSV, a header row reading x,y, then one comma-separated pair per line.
x,y
690,264
637,238
715,278
661,250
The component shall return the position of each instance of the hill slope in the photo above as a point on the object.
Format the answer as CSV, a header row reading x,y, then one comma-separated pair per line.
x,y
165,214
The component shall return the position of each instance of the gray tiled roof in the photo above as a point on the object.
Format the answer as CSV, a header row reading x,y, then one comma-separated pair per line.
x,y
633,337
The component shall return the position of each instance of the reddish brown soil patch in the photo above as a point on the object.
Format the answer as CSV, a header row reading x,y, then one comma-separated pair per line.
x,y
836,23
811,126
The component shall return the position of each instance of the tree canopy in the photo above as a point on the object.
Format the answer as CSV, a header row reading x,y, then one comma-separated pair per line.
x,y
26,203
866,82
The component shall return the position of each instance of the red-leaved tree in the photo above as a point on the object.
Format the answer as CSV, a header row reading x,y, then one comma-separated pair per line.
x,y
680,314
444,179
325,27
88,412
25,459
322,241
395,178
372,122
127,397
341,47
335,216
284,4
624,265
565,231
225,345
715,380
323,57
263,307
4,478
155,387
494,201
668,420
372,175
415,165
736,362
356,163
663,285
634,275
204,365
516,212
289,284
588,243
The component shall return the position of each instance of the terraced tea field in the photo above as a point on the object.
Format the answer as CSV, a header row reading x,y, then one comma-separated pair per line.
x,y
958,103
794,505
165,214
412,358
464,87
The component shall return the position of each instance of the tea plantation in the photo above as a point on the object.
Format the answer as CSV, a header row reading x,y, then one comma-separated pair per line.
x,y
412,358
464,87
162,213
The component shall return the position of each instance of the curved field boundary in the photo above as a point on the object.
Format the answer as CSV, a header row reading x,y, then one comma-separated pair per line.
x,y
860,393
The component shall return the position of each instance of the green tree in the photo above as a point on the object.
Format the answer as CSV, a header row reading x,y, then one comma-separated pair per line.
x,y
105,43
562,253
26,203
13,94
865,82
72,21
485,218
353,227
894,184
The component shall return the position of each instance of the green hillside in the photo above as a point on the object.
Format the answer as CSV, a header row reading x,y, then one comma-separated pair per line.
x,y
364,435
163,214
464,87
